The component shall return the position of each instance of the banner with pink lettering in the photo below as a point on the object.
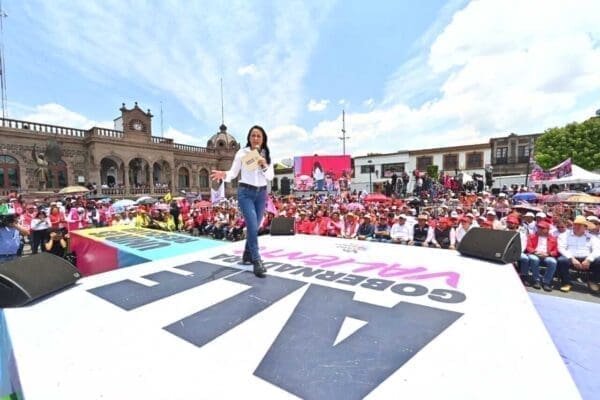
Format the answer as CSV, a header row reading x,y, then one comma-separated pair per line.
x,y
561,170
333,319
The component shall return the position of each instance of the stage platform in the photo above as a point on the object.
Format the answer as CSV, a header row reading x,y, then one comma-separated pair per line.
x,y
334,319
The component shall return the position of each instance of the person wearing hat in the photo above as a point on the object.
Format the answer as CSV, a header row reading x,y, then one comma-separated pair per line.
x,y
401,232
594,225
422,232
490,216
10,237
542,249
382,229
580,251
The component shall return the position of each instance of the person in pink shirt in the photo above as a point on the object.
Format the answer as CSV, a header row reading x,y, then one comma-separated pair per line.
x,y
335,226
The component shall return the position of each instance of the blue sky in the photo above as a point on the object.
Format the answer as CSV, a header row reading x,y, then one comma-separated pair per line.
x,y
409,74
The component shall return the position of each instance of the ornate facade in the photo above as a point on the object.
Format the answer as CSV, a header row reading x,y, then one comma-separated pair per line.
x,y
125,161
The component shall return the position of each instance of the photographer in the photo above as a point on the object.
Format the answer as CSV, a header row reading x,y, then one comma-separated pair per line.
x,y
10,237
57,245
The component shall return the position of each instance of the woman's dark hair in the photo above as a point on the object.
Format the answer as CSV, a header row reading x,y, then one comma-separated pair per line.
x,y
264,145
317,165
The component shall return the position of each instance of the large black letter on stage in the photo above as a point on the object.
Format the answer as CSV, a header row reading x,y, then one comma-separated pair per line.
x,y
130,295
304,361
206,325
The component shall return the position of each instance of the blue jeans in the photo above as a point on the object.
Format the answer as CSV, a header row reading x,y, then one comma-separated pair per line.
x,y
533,264
252,203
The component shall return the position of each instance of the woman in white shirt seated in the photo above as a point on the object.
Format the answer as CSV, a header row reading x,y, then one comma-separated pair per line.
x,y
252,190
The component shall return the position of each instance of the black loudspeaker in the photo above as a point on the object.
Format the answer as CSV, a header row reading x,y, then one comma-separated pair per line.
x,y
26,279
283,226
285,186
499,246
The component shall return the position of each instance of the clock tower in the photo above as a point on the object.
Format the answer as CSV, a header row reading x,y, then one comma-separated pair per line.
x,y
135,123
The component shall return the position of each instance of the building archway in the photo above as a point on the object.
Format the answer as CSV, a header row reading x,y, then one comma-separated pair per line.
x,y
111,172
58,175
183,178
139,173
161,174
203,181
9,172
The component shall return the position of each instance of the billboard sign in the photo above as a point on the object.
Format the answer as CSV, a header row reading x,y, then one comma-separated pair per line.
x,y
330,173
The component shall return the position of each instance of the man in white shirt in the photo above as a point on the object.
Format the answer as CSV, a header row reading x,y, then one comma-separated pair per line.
x,y
401,232
581,251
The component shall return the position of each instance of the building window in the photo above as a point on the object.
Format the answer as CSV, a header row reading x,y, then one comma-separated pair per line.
x,y
9,172
389,169
523,154
184,178
501,155
450,162
203,178
474,160
364,169
57,175
424,162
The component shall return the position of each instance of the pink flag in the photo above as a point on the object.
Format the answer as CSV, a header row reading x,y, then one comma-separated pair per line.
x,y
270,206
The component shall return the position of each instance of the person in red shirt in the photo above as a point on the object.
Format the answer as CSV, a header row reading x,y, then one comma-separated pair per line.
x,y
542,248
321,222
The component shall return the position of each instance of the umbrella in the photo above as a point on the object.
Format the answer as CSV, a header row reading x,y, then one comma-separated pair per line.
x,y
204,204
528,207
162,207
354,207
146,200
584,198
125,203
595,190
376,197
525,196
73,189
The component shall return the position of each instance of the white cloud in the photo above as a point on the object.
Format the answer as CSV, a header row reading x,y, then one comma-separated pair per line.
x,y
185,138
314,105
247,70
191,47
496,67
56,114
369,103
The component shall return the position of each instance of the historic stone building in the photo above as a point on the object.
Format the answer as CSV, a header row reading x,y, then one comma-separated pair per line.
x,y
510,154
125,161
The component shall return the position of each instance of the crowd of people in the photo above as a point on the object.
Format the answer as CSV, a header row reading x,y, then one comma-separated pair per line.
x,y
560,238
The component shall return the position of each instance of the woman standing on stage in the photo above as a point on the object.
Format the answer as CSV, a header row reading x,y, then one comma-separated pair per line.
x,y
252,191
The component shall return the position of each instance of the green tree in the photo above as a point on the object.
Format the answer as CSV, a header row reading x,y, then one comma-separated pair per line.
x,y
580,141
433,172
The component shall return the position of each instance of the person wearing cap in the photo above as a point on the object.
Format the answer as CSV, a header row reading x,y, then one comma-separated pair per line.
x,y
580,251
444,236
529,221
422,232
542,249
401,232
464,225
365,229
490,216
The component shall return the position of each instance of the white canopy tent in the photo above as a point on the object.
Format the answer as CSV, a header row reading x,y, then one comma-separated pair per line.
x,y
579,175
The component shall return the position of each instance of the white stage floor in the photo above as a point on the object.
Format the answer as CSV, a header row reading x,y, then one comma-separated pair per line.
x,y
334,319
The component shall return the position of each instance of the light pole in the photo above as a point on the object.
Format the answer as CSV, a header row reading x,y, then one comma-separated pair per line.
x,y
528,167
370,172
